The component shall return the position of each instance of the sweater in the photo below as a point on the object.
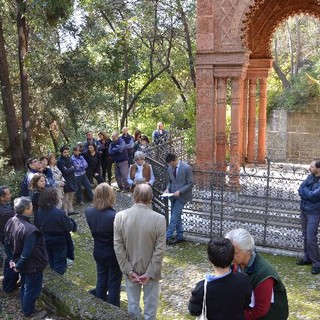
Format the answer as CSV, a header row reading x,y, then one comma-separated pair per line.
x,y
226,298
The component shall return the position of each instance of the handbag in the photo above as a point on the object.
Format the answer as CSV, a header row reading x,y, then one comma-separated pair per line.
x,y
203,315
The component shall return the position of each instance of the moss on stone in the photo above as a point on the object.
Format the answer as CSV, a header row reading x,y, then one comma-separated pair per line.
x,y
66,299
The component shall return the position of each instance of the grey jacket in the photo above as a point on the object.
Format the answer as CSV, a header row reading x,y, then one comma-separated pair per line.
x,y
183,181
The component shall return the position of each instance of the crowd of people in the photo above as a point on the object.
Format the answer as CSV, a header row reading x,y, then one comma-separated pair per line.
x,y
89,163
131,244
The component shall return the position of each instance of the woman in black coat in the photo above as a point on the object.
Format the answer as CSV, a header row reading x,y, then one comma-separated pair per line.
x,y
93,158
106,160
100,219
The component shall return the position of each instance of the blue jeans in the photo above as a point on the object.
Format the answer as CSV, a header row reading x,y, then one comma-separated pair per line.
x,y
31,285
175,220
83,181
310,225
58,257
109,280
10,277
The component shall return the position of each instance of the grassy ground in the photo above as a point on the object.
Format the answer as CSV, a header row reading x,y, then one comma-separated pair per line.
x,y
186,264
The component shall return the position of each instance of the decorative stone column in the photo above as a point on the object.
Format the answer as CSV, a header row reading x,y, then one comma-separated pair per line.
x,y
251,120
258,70
212,75
235,135
205,118
262,121
206,87
221,124
244,127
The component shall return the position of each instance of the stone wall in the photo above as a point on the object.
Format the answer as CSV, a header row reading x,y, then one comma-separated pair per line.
x,y
63,298
294,136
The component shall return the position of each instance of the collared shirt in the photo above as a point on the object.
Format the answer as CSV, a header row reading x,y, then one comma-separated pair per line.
x,y
212,277
177,168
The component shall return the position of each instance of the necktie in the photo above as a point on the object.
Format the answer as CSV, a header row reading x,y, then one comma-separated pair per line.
x,y
175,172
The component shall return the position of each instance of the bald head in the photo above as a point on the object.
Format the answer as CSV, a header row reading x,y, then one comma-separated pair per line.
x,y
142,193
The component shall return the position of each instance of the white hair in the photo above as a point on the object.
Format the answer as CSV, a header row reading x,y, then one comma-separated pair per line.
x,y
139,155
242,239
21,204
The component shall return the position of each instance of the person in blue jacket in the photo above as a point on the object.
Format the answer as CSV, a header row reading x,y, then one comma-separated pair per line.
x,y
309,192
119,154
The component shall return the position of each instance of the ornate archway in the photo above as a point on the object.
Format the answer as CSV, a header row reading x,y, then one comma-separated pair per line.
x,y
233,51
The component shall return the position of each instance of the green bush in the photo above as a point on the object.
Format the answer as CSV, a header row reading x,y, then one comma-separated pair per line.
x,y
304,87
11,178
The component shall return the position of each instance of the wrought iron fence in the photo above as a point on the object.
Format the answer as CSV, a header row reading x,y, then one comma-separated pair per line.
x,y
265,202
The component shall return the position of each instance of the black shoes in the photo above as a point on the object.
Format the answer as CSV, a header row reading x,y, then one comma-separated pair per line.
x,y
315,270
302,262
171,242
73,212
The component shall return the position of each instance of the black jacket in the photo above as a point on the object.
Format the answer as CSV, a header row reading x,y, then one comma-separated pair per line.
x,y
6,212
17,230
55,225
226,298
65,165
101,226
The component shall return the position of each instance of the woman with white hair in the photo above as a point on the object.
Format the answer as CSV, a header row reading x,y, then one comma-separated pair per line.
x,y
269,299
140,171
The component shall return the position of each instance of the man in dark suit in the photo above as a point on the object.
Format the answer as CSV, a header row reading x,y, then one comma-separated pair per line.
x,y
180,184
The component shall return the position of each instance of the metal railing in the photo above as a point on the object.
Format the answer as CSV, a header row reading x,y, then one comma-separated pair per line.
x,y
265,202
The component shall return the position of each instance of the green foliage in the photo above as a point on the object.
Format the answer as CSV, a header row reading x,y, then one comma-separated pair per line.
x,y
54,10
296,57
302,90
11,178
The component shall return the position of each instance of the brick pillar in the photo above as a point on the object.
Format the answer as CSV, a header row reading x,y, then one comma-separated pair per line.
x,y
252,120
205,119
235,143
221,123
245,119
262,121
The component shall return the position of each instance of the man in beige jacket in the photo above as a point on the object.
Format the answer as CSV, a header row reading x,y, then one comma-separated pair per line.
x,y
139,244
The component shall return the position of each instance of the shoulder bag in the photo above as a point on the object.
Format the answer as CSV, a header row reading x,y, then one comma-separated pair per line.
x,y
203,315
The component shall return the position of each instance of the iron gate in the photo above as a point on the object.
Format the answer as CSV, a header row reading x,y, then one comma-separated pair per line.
x,y
265,202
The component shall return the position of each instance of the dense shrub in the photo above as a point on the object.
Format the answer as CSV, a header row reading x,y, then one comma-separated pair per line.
x,y
12,179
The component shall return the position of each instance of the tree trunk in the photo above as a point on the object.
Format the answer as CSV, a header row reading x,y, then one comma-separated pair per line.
x,y
188,42
22,51
125,112
178,85
298,54
290,50
9,108
140,91
281,75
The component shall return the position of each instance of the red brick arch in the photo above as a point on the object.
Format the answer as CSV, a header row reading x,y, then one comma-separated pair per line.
x,y
263,19
233,49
